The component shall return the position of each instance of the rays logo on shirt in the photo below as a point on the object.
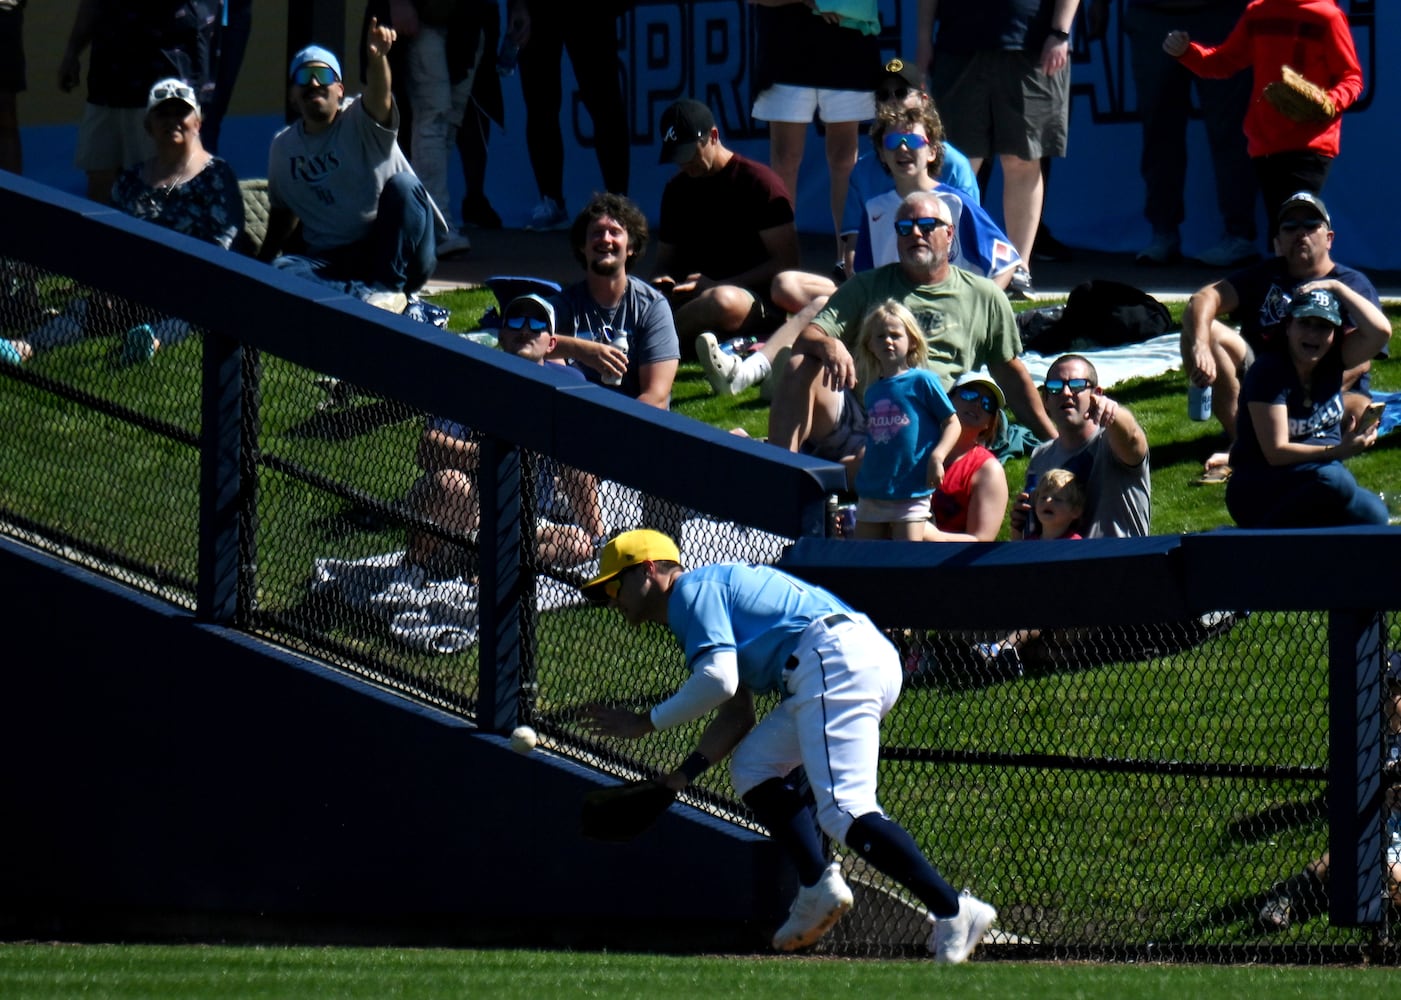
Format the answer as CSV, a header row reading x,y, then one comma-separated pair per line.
x,y
885,421
1275,309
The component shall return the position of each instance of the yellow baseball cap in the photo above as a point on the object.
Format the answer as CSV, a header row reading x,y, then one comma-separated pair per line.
x,y
625,551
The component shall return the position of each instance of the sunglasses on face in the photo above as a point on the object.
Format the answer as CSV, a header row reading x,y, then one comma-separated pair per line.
x,y
1056,386
521,322
322,76
910,140
1294,225
904,227
968,395
893,93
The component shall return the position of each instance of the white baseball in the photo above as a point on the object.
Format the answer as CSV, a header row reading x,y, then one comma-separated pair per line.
x,y
523,739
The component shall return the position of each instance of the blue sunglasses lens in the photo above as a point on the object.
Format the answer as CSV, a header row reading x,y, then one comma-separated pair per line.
x,y
324,75
904,227
968,395
1055,386
910,140
520,323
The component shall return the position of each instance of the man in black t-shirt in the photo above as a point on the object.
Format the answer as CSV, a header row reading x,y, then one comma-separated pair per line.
x,y
726,229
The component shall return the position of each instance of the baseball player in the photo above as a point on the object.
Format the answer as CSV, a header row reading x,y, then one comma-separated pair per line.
x,y
750,630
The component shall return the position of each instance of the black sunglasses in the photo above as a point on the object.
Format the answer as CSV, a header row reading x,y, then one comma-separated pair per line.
x,y
1309,225
1055,386
904,227
322,75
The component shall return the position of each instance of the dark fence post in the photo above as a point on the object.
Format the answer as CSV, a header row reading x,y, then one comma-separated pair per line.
x,y
501,586
221,409
1356,846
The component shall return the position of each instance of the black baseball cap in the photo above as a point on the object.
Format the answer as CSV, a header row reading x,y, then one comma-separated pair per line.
x,y
906,71
1309,200
683,126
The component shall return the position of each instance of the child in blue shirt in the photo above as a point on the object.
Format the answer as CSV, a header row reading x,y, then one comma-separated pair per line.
x,y
911,426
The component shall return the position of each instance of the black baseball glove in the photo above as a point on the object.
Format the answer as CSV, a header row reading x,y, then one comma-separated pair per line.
x,y
621,812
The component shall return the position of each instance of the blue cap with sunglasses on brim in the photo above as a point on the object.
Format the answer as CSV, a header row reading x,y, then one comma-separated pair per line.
x,y
314,54
527,307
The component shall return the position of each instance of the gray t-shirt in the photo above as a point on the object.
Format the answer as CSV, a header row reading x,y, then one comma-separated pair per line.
x,y
332,180
1119,497
643,314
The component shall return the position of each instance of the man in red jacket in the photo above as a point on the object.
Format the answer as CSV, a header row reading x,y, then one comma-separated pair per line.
x,y
1312,37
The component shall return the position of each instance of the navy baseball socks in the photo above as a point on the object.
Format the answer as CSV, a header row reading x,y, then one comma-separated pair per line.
x,y
960,921
824,897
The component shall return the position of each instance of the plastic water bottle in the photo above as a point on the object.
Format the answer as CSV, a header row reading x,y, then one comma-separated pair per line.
x,y
506,57
620,341
1032,527
1198,401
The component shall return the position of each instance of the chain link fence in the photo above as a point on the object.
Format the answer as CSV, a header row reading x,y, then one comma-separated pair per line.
x,y
1126,792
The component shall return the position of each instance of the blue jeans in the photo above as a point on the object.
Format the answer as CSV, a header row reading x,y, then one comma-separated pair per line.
x,y
1309,495
1164,89
399,254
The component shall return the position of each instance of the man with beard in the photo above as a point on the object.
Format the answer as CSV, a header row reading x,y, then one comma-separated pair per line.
x,y
368,225
1258,297
616,328
1102,444
967,323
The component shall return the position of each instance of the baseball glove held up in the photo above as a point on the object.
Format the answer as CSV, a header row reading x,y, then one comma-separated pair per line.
x,y
1299,100
621,812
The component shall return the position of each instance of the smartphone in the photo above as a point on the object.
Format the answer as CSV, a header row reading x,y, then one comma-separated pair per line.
x,y
1369,417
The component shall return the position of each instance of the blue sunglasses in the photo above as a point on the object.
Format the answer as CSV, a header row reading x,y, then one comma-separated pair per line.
x,y
520,323
910,140
904,227
968,394
1055,386
322,75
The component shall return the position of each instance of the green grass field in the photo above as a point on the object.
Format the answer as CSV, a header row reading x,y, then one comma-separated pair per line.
x,y
31,972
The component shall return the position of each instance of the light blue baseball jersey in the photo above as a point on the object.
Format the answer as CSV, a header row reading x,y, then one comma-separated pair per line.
x,y
757,611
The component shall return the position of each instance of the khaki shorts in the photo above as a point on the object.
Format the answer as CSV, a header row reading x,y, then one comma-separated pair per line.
x,y
996,103
112,138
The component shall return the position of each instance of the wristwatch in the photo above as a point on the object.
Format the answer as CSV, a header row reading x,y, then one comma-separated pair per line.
x,y
1056,33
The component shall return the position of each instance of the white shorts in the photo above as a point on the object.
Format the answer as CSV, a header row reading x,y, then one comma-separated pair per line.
x,y
112,138
786,103
843,678
873,510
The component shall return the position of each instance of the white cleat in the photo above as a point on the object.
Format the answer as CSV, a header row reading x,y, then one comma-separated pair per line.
x,y
815,911
954,938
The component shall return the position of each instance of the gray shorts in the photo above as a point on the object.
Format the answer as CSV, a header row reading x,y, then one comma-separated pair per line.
x,y
847,438
997,103
112,138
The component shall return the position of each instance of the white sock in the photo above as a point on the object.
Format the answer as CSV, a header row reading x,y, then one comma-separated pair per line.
x,y
752,370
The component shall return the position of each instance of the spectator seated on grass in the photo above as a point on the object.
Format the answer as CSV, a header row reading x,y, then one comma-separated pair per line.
x,y
182,187
570,521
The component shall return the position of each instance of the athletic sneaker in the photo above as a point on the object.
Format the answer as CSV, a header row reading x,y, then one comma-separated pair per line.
x,y
1165,248
387,299
454,242
548,216
1277,913
954,938
1020,289
1233,251
815,911
720,366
